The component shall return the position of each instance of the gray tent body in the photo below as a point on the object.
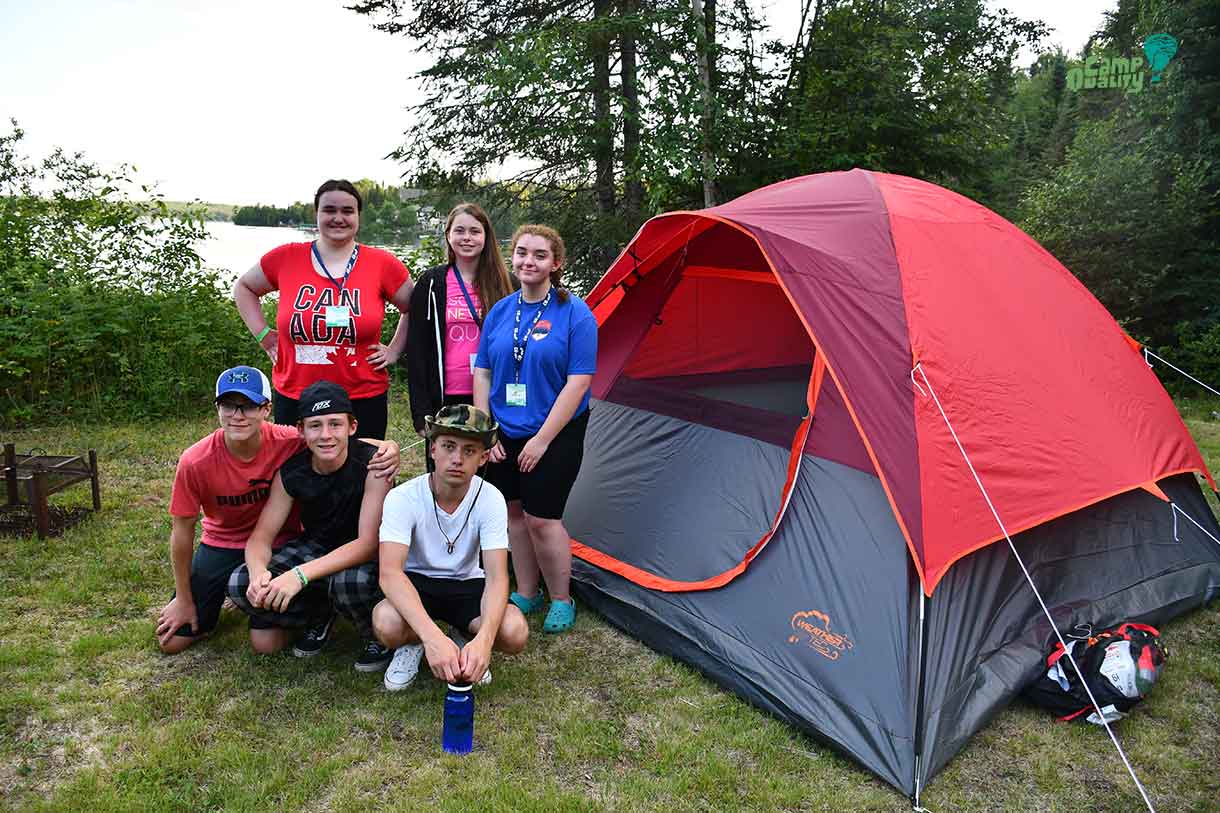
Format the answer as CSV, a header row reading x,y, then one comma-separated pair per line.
x,y
823,628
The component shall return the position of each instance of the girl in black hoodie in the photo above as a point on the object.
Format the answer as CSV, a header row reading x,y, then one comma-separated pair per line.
x,y
446,314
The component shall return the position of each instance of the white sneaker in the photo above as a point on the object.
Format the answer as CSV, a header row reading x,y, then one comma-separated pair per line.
x,y
461,641
403,667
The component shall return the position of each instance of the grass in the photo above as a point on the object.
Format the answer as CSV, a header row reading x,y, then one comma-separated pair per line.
x,y
93,717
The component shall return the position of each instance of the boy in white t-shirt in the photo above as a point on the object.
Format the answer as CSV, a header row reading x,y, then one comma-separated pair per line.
x,y
433,529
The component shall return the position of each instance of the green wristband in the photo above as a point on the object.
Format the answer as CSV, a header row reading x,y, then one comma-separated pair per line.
x,y
262,334
300,575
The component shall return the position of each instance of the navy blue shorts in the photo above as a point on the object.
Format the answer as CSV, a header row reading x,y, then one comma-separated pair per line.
x,y
210,571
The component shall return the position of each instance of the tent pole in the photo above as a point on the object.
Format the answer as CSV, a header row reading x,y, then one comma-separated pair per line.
x,y
919,695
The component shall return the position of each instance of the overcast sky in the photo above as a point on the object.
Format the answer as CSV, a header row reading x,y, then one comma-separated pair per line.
x,y
249,101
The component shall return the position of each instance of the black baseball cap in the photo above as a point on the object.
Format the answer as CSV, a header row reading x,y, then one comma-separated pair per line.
x,y
323,398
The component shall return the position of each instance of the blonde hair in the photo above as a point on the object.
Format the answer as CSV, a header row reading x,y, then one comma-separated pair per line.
x,y
491,277
558,250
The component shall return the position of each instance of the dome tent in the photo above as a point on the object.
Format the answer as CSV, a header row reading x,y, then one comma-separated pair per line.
x,y
771,494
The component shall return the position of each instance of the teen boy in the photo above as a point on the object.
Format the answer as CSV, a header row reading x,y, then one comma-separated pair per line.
x,y
332,564
226,477
433,530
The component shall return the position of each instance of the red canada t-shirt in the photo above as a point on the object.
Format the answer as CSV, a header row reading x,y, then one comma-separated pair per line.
x,y
310,351
230,492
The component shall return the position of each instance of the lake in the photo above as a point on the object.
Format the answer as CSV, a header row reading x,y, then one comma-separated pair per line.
x,y
234,249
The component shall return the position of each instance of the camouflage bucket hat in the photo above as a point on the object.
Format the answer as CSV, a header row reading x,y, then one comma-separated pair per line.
x,y
464,421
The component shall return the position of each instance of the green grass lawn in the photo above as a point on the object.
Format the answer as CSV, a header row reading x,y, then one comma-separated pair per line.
x,y
93,717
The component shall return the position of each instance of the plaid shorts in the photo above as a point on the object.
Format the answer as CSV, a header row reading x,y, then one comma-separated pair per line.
x,y
353,592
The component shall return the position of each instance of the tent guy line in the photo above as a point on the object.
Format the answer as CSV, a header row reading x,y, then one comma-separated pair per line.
x,y
1148,353
1177,511
1045,610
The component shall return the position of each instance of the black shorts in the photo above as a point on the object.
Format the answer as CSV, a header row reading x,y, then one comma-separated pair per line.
x,y
372,414
210,571
455,601
544,491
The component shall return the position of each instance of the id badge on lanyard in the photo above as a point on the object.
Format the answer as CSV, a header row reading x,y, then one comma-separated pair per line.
x,y
337,315
514,394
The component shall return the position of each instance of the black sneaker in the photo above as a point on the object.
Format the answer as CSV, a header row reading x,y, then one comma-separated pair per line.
x,y
314,639
374,657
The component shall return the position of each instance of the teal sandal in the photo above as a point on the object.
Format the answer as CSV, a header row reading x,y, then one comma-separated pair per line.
x,y
528,605
560,617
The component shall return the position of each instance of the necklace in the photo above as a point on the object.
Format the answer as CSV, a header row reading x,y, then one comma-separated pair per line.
x,y
436,512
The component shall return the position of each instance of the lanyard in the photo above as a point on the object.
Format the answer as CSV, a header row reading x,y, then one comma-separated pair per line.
x,y
478,320
351,262
519,349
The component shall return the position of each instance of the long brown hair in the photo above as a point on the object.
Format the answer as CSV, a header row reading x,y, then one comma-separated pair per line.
x,y
491,277
558,249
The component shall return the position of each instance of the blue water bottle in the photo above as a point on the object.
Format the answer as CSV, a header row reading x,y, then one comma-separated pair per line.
x,y
457,736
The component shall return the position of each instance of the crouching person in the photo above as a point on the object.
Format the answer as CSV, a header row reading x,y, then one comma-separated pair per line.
x,y
433,530
226,477
332,566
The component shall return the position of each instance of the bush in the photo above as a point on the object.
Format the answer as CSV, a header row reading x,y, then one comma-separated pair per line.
x,y
104,304
1197,353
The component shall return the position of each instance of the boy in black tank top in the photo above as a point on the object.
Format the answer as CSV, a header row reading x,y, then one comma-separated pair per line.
x,y
333,563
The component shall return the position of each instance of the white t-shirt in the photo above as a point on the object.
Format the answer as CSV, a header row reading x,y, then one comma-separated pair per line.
x,y
408,518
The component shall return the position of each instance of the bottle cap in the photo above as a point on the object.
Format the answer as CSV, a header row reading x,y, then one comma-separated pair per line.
x,y
460,687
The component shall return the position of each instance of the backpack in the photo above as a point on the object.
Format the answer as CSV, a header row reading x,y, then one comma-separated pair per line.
x,y
1120,664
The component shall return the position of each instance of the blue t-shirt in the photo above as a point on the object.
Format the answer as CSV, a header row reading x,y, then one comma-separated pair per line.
x,y
562,343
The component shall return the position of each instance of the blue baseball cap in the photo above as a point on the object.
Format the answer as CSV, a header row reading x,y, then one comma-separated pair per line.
x,y
247,381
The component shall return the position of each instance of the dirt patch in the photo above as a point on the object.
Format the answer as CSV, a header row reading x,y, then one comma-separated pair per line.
x,y
58,750
18,520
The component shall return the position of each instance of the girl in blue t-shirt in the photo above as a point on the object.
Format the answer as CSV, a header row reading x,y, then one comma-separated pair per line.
x,y
537,355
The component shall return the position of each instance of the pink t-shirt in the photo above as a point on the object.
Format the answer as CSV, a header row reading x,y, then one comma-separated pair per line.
x,y
231,492
461,337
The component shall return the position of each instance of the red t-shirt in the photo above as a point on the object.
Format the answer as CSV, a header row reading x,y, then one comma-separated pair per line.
x,y
229,491
309,350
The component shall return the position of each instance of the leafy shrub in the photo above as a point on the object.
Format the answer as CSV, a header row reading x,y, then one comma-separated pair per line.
x,y
104,304
1197,353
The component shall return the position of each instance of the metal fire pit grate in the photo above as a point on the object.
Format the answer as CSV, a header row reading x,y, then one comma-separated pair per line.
x,y
30,479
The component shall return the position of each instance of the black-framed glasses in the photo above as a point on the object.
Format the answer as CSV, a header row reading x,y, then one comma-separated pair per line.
x,y
229,408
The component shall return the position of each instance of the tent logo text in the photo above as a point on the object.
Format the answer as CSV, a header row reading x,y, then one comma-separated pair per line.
x,y
816,626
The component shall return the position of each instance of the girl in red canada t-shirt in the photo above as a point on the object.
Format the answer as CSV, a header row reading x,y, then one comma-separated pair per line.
x,y
332,303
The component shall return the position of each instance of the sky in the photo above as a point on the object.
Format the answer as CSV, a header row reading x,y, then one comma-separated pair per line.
x,y
253,101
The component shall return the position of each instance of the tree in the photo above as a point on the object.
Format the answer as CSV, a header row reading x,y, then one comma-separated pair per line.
x,y
552,98
1133,208
574,140
915,88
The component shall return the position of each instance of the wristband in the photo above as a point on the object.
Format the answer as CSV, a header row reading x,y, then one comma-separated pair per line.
x,y
301,575
262,334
